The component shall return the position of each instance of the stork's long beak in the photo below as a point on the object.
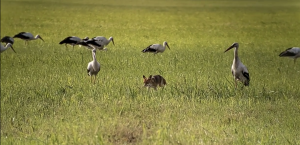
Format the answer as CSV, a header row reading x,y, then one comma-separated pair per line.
x,y
113,41
13,49
228,48
41,38
168,46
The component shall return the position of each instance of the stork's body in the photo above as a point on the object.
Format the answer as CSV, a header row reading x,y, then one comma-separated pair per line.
x,y
156,48
293,52
27,36
238,69
8,45
103,41
93,67
7,39
72,40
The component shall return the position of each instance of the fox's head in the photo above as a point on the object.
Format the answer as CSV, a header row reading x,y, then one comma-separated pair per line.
x,y
148,82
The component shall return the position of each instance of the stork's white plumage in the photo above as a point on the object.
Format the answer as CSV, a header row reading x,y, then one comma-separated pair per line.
x,y
93,67
293,52
27,37
156,48
7,39
103,41
8,45
238,69
72,40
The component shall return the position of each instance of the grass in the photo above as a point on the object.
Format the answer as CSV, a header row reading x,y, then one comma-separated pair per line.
x,y
47,97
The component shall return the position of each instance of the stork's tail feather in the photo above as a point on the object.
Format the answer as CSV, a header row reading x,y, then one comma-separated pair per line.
x,y
247,76
88,72
19,35
246,83
148,50
62,42
286,53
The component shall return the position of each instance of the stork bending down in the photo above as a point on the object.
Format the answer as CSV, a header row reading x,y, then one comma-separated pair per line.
x,y
27,36
8,45
293,52
156,48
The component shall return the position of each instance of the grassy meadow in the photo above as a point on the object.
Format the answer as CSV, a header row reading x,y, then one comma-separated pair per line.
x,y
47,96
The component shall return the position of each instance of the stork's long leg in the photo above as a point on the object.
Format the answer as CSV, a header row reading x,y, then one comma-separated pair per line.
x,y
66,45
91,78
235,83
95,80
295,61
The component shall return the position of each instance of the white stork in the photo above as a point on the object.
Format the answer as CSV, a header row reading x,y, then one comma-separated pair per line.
x,y
27,36
238,69
93,67
7,39
156,48
72,40
103,41
7,46
293,52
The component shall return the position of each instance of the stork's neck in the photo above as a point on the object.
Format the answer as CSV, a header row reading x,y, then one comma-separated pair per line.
x,y
94,57
236,53
164,45
36,37
7,45
110,38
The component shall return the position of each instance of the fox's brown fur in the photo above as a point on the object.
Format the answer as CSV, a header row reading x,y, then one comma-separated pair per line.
x,y
154,81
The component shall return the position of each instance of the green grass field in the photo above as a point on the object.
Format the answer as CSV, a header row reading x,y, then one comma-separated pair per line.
x,y
47,96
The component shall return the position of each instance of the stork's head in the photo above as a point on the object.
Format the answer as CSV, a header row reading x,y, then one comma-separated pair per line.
x,y
112,39
166,43
234,45
38,36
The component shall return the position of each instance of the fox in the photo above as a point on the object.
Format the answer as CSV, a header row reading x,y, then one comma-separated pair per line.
x,y
154,81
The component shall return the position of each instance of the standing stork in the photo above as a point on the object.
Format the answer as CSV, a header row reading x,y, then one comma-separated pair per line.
x,y
72,40
27,37
238,69
103,41
7,39
93,67
293,52
156,48
7,46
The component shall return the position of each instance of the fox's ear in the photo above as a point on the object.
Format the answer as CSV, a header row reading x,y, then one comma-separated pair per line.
x,y
150,76
144,77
